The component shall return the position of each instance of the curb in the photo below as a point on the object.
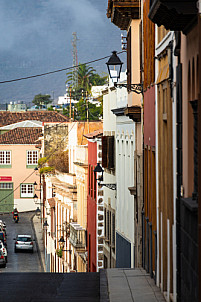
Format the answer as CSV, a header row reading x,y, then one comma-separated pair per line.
x,y
104,293
37,246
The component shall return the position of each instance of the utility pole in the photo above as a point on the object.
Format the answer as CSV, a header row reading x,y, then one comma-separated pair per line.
x,y
75,60
87,107
70,105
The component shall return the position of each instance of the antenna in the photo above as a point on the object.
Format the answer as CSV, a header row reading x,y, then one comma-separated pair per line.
x,y
75,60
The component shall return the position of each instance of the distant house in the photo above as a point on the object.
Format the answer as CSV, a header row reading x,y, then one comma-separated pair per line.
x,y
17,106
20,149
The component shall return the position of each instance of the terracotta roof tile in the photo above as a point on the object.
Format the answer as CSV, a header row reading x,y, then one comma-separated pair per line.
x,y
21,136
97,133
7,117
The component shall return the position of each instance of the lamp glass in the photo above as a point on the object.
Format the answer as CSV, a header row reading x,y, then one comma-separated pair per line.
x,y
114,66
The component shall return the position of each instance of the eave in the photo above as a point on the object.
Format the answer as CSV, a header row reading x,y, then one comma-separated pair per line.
x,y
174,15
119,111
134,113
122,12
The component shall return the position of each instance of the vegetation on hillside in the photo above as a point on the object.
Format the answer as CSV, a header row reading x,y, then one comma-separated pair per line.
x,y
87,77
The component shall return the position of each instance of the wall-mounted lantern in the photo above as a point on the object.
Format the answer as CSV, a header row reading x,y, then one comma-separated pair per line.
x,y
114,66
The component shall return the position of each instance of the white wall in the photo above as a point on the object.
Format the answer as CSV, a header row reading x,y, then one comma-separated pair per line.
x,y
125,146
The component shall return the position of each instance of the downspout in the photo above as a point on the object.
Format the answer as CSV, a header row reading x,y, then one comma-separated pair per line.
x,y
199,157
177,52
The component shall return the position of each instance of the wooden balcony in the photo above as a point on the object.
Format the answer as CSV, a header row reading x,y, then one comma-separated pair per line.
x,y
174,15
121,12
77,236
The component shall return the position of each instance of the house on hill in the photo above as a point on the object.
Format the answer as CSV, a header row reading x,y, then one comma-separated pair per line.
x,y
20,149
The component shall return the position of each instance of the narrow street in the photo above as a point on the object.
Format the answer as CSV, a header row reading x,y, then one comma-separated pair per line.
x,y
21,261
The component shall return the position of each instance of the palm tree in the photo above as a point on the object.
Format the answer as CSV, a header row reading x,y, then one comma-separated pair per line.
x,y
85,72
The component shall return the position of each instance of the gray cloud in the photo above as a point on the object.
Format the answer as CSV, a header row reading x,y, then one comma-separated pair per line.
x,y
36,37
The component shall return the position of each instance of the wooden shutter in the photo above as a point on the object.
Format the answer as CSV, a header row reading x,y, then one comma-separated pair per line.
x,y
104,151
110,152
105,222
129,58
91,185
113,229
89,179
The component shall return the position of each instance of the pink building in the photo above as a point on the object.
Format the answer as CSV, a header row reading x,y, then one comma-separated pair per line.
x,y
20,149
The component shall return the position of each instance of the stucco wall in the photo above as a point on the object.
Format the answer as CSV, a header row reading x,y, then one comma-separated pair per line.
x,y
92,212
19,173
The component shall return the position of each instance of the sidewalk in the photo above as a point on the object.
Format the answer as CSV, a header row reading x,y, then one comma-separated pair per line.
x,y
129,285
39,240
132,285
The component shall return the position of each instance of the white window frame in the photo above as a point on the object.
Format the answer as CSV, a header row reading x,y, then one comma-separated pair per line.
x,y
32,157
27,190
5,157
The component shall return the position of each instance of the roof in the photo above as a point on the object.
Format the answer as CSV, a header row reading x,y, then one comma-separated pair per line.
x,y
7,117
23,124
97,133
19,136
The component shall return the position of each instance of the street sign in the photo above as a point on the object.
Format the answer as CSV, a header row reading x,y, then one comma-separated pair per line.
x,y
5,178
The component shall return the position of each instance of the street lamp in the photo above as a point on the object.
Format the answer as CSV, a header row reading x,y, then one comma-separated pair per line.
x,y
45,225
114,66
99,169
35,198
38,211
62,241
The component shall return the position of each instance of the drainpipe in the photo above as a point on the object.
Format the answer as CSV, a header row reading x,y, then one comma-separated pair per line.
x,y
179,157
199,157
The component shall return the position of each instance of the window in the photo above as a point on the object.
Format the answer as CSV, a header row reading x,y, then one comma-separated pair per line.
x,y
113,230
27,190
53,191
5,157
6,185
32,157
108,152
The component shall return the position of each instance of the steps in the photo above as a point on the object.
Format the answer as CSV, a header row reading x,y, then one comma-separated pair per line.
x,y
49,287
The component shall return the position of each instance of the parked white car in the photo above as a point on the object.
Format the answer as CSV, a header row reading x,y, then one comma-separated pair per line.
x,y
4,250
24,242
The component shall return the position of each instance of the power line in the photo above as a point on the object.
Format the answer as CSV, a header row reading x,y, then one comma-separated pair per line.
x,y
55,71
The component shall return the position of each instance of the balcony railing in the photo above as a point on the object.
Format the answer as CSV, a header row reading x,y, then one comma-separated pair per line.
x,y
77,236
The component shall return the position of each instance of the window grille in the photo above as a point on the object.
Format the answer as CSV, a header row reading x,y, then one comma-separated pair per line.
x,y
5,157
27,190
32,157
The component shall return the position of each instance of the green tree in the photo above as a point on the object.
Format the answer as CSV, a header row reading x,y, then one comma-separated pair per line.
x,y
42,99
87,77
94,112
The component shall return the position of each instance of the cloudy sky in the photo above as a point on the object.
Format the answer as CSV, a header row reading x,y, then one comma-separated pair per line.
x,y
36,37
